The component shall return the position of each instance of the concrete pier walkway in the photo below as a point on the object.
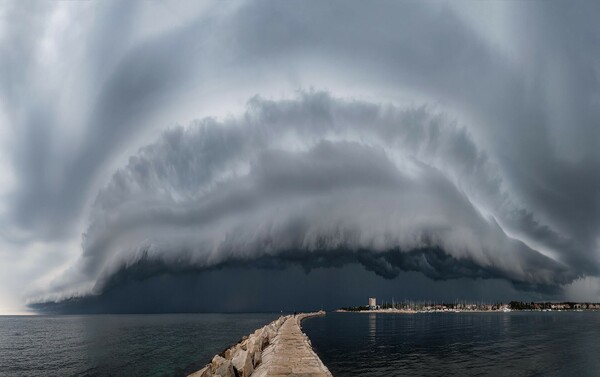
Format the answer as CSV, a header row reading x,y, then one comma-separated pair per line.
x,y
277,349
291,354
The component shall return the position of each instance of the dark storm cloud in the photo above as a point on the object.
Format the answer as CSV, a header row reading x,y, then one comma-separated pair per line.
x,y
250,288
509,189
305,181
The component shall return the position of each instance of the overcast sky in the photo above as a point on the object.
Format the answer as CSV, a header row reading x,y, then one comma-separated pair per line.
x,y
268,154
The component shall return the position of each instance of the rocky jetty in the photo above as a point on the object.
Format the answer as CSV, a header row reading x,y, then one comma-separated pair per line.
x,y
277,349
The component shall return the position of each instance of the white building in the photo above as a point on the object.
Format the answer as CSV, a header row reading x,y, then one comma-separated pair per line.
x,y
372,303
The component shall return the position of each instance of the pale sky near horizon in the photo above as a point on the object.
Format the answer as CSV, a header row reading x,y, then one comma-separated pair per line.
x,y
446,148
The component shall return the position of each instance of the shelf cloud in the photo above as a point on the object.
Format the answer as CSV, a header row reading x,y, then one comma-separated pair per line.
x,y
315,181
449,140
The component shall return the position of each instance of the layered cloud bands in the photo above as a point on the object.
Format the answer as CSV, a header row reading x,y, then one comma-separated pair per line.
x,y
316,181
496,177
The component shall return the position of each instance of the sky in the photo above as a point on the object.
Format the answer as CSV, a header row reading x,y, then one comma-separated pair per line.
x,y
160,156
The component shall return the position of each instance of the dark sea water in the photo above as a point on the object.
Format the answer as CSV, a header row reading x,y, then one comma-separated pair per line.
x,y
350,344
118,345
458,344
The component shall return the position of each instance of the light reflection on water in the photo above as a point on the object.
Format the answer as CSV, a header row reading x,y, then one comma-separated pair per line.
x,y
463,344
372,327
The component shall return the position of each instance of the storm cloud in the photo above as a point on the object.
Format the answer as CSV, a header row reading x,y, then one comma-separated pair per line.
x,y
313,179
454,140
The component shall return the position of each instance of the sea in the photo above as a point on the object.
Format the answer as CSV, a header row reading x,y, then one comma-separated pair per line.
x,y
118,345
458,344
350,344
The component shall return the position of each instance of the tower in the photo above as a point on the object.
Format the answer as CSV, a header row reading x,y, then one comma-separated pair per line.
x,y
372,303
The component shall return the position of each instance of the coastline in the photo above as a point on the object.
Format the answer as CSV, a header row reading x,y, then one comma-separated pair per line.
x,y
404,311
278,348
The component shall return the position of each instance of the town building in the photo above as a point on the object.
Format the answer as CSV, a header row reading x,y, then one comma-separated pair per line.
x,y
372,303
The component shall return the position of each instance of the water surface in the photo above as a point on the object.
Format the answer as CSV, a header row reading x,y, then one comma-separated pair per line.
x,y
458,344
118,345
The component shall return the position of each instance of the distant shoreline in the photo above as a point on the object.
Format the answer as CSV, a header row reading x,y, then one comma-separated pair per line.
x,y
466,307
405,311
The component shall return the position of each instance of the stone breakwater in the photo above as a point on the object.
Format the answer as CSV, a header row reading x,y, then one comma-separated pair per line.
x,y
277,349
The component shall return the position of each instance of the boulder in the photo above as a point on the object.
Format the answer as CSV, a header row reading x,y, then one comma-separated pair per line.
x,y
243,363
260,336
265,338
225,369
254,350
228,354
216,362
256,358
